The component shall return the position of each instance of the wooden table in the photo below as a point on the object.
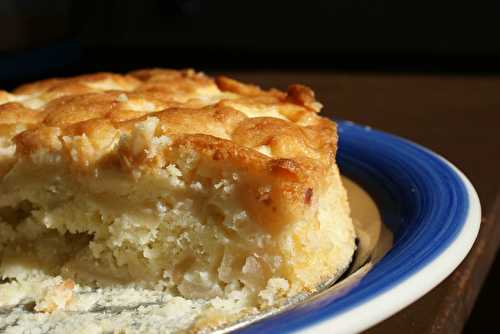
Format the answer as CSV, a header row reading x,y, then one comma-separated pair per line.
x,y
455,117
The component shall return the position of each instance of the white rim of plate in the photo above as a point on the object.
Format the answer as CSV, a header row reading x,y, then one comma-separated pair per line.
x,y
389,302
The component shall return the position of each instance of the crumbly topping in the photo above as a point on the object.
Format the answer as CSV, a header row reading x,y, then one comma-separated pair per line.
x,y
85,118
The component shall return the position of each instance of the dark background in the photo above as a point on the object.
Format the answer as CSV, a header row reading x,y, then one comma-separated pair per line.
x,y
353,35
56,38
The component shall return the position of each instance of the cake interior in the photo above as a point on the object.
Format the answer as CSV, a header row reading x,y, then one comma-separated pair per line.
x,y
154,232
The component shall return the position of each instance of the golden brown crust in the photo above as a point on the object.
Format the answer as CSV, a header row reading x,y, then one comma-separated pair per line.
x,y
13,113
275,134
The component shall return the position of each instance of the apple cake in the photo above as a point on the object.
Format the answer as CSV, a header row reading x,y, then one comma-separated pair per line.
x,y
168,193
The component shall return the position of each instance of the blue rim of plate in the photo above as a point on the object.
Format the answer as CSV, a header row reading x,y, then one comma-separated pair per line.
x,y
422,200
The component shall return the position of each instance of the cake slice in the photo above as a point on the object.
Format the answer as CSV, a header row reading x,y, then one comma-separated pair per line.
x,y
169,181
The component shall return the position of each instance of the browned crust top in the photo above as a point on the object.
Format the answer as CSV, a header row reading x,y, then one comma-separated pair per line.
x,y
222,115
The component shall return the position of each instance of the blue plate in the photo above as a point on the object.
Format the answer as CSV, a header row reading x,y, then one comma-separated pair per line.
x,y
426,202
